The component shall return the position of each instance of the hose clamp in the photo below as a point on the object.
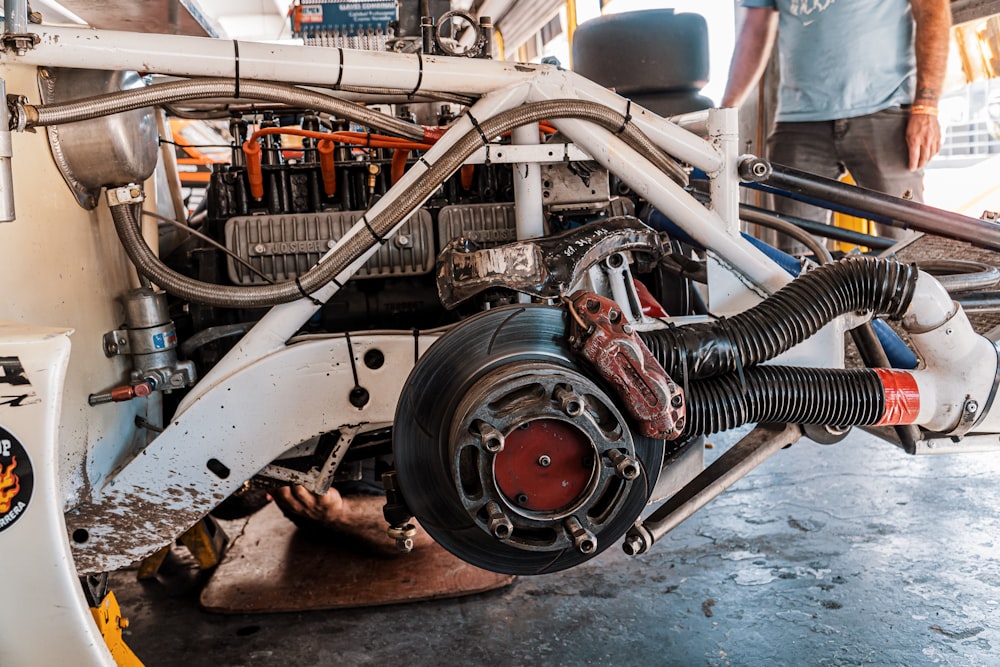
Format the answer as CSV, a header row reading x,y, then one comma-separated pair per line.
x,y
17,114
126,194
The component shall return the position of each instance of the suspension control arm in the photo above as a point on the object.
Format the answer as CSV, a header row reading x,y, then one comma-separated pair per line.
x,y
755,448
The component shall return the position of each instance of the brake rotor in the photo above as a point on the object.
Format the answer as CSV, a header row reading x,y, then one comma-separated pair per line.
x,y
510,455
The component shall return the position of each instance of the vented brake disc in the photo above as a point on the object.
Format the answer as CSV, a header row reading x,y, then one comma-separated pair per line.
x,y
511,456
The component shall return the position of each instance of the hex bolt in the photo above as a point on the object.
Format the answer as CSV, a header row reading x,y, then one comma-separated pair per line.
x,y
626,467
971,407
583,539
568,400
544,461
634,545
491,439
593,305
497,522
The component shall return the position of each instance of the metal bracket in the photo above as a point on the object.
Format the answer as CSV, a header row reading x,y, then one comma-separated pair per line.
x,y
546,268
116,343
20,44
128,194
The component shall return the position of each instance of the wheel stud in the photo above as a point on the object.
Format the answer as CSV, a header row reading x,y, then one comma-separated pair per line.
x,y
490,438
568,400
583,539
626,467
499,525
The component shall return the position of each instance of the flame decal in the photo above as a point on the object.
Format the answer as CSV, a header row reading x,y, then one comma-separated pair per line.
x,y
10,485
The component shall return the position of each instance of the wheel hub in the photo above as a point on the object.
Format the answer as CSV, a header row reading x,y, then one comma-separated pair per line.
x,y
546,466
510,456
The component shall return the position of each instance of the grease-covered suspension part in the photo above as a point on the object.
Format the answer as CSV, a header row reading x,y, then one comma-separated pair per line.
x,y
835,396
786,318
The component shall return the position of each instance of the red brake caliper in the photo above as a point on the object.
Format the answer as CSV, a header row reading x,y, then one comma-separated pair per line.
x,y
602,336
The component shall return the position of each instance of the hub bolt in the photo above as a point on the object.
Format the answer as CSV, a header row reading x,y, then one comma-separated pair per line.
x,y
568,400
490,438
583,539
626,467
499,525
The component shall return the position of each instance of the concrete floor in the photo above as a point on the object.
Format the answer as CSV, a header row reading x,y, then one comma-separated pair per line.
x,y
852,554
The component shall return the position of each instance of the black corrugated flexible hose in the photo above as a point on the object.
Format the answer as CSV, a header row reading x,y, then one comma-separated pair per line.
x,y
785,319
784,394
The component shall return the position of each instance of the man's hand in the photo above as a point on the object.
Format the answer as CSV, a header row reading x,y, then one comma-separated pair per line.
x,y
297,500
923,136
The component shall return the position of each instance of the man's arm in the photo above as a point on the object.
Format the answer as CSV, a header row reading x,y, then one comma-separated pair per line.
x,y
753,47
933,24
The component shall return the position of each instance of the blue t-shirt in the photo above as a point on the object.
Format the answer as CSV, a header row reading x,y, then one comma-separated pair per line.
x,y
842,58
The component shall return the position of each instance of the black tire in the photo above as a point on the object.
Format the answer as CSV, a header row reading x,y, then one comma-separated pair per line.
x,y
651,51
671,104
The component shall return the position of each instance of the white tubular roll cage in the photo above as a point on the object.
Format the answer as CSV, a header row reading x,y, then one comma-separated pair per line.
x,y
157,495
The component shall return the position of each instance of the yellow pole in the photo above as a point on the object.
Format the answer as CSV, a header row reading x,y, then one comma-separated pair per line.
x,y
570,30
498,42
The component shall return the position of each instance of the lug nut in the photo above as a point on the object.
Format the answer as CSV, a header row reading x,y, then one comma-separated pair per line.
x,y
499,525
626,467
568,400
583,539
491,439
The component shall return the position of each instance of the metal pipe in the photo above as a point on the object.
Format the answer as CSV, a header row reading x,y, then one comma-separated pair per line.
x,y
155,95
6,153
724,133
673,140
898,212
772,221
752,450
821,229
700,223
15,17
528,188
201,56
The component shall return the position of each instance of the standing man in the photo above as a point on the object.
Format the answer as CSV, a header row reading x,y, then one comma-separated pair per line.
x,y
860,82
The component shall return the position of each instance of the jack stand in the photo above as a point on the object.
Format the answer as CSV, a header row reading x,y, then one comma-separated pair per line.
x,y
205,540
110,623
108,617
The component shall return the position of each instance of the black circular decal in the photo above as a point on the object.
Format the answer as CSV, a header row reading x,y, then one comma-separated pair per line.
x,y
17,478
